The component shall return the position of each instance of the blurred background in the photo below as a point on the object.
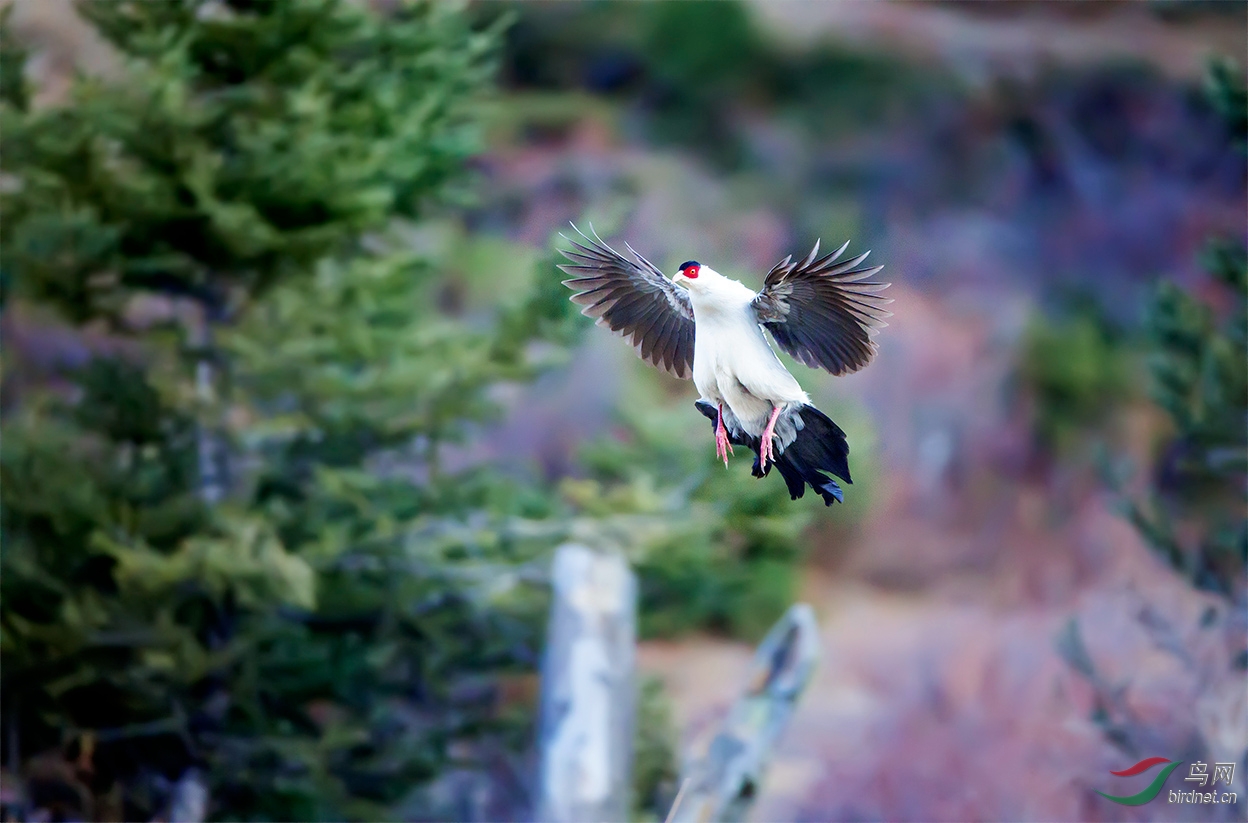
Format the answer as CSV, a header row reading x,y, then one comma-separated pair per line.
x,y
295,407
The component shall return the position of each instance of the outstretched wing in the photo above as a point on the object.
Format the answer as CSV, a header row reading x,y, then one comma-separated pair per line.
x,y
822,312
635,300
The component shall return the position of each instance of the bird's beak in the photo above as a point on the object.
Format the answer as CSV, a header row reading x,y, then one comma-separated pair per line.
x,y
680,280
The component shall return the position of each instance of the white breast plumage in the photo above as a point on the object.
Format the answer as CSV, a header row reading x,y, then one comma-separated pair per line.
x,y
732,362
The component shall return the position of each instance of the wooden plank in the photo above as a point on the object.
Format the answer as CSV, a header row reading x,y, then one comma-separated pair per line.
x,y
721,784
588,689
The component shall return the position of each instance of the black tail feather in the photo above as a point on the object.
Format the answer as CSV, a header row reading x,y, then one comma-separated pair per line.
x,y
820,447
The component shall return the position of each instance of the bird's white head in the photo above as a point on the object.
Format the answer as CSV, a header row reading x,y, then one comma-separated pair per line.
x,y
698,278
710,291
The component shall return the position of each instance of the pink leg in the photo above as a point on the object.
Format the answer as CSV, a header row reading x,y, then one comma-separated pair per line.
x,y
722,447
766,450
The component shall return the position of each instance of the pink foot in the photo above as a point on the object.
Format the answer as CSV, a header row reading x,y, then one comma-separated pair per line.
x,y
722,447
766,450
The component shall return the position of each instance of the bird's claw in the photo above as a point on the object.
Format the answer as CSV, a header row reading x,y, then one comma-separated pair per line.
x,y
722,447
766,448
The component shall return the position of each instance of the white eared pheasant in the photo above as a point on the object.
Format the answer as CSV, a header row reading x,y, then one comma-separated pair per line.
x,y
702,324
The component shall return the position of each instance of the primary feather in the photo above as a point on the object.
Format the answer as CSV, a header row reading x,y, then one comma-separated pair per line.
x,y
824,313
634,299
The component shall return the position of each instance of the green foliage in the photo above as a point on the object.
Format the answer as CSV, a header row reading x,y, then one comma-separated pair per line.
x,y
1228,90
1195,516
119,586
317,640
334,611
1077,373
341,380
1199,369
247,141
14,90
708,57
687,43
690,64
655,768
684,45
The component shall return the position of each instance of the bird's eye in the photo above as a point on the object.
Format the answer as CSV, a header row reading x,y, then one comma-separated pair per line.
x,y
692,272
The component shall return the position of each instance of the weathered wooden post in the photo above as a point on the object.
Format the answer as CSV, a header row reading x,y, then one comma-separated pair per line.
x,y
588,685
721,784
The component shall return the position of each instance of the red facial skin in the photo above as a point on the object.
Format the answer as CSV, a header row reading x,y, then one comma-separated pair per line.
x,y
691,272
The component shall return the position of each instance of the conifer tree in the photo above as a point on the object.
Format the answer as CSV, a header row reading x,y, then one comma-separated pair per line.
x,y
1196,517
295,637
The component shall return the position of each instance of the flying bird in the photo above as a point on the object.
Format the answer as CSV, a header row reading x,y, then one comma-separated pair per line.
x,y
703,325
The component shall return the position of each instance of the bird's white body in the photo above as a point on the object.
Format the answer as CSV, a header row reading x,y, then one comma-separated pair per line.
x,y
733,364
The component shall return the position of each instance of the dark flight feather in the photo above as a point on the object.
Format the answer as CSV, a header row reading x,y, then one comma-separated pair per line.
x,y
822,312
633,299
